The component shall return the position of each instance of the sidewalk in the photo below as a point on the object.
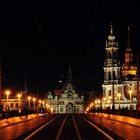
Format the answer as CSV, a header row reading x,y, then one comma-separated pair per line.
x,y
123,119
14,120
126,127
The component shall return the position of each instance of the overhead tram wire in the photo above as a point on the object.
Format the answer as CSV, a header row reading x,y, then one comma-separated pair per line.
x,y
90,36
44,38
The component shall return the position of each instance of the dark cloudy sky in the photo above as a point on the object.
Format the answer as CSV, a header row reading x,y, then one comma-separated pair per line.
x,y
40,39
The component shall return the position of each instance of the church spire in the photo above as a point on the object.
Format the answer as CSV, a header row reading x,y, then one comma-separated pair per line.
x,y
128,36
128,54
128,68
111,28
69,75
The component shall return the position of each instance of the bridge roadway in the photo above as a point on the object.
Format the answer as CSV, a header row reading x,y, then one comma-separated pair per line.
x,y
68,127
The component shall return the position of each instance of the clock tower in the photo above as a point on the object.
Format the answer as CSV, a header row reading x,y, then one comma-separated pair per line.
x,y
112,84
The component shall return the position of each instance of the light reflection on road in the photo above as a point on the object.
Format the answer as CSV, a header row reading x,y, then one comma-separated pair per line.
x,y
13,131
126,131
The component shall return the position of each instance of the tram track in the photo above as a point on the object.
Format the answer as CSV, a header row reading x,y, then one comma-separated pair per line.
x,y
76,128
61,128
39,129
69,127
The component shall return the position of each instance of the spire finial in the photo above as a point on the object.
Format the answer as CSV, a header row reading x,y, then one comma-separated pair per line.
x,y
69,75
128,36
111,36
111,28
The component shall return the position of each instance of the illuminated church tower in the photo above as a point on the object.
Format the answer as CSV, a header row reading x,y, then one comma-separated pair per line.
x,y
129,71
112,84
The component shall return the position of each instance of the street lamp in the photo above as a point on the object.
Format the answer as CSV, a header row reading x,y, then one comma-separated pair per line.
x,y
95,104
87,109
104,100
99,103
7,92
130,93
34,99
29,99
109,100
92,104
119,95
43,103
19,107
40,104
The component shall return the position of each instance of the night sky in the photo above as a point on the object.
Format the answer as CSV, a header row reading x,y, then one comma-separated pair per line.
x,y
39,40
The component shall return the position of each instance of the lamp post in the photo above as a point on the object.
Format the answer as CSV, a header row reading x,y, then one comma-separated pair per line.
x,y
29,99
119,95
109,100
104,100
95,104
40,104
113,106
130,93
19,105
92,104
7,92
43,104
34,99
99,104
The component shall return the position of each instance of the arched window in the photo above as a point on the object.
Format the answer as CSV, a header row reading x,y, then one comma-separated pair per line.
x,y
16,104
114,77
109,54
131,67
126,67
11,105
109,75
109,93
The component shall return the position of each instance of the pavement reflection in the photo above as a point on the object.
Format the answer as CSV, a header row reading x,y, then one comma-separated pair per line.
x,y
126,127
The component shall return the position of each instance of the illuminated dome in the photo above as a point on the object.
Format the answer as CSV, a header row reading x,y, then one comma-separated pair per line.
x,y
129,70
111,37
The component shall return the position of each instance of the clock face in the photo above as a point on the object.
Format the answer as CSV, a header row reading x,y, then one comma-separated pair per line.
x,y
69,93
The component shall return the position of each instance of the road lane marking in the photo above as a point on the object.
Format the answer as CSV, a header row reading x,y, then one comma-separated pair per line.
x,y
77,130
60,129
105,134
36,131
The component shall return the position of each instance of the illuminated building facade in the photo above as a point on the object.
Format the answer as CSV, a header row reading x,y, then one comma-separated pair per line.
x,y
119,80
13,102
68,101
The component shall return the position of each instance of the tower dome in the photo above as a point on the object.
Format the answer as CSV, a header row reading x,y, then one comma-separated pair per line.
x,y
129,69
111,37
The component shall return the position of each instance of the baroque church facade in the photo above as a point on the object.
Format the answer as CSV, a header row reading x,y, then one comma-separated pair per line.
x,y
68,101
120,82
